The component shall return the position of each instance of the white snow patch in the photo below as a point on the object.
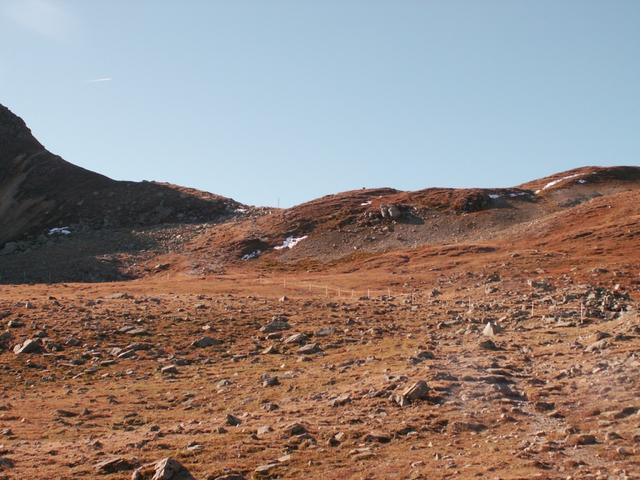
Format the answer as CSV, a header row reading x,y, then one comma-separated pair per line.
x,y
241,210
60,231
510,194
364,204
252,255
582,180
555,182
290,242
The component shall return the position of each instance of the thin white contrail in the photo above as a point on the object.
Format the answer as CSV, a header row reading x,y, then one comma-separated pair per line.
x,y
99,80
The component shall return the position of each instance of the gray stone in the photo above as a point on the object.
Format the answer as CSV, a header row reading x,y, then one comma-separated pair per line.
x,y
265,469
29,346
113,465
165,469
394,212
491,329
417,391
325,331
341,400
309,349
299,338
205,342
276,325
233,421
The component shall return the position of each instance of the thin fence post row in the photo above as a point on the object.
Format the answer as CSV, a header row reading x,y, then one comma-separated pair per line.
x,y
310,287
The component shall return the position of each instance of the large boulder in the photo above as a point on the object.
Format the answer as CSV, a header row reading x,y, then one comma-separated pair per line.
x,y
417,391
394,212
5,339
165,469
28,346
114,465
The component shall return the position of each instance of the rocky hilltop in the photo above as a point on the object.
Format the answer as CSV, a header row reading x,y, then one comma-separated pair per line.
x,y
40,191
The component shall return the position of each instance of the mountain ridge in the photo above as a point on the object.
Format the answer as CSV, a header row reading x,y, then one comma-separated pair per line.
x,y
40,190
123,229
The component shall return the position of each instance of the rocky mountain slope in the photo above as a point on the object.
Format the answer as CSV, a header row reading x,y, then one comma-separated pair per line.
x,y
349,228
124,230
39,191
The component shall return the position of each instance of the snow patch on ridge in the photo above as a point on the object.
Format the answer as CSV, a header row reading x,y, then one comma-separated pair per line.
x,y
495,196
59,231
555,182
252,255
290,242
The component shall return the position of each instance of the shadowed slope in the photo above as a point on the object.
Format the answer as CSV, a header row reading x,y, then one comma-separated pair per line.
x,y
39,190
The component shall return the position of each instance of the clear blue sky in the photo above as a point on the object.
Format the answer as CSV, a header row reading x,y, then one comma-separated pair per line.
x,y
268,99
